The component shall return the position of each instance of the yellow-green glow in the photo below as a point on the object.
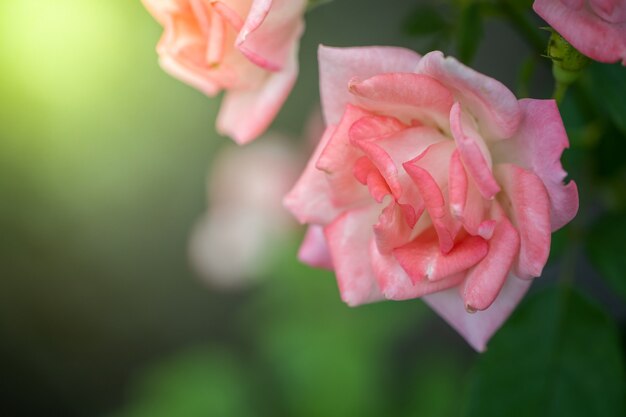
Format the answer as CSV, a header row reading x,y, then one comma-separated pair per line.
x,y
86,114
56,50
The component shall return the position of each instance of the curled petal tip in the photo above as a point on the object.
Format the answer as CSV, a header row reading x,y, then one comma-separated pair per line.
x,y
353,85
457,211
486,229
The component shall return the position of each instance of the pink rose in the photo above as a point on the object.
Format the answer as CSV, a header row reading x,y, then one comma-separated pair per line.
x,y
597,28
247,47
431,180
231,243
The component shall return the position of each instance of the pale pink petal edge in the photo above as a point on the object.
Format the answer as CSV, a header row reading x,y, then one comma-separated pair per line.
x,y
477,328
339,65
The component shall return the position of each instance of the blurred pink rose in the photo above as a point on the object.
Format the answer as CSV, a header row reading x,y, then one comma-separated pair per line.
x,y
431,180
232,242
597,28
247,47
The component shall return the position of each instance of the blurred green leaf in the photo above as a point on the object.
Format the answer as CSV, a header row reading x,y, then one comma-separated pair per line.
x,y
525,76
198,383
559,242
438,380
312,4
425,20
559,355
609,150
605,246
470,31
609,89
327,358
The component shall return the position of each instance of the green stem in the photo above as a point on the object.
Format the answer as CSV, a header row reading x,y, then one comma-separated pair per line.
x,y
559,91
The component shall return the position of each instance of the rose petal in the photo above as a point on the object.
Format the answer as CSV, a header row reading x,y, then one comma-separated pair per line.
x,y
474,154
374,127
189,75
404,146
466,203
363,168
530,212
338,158
216,37
309,200
613,11
477,328
270,30
473,217
396,284
485,280
245,114
222,231
348,238
367,174
314,250
384,164
339,65
202,15
405,95
392,229
493,105
161,9
229,14
181,35
422,259
537,147
428,171
457,185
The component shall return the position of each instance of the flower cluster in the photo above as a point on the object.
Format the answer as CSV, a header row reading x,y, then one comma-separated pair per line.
x,y
430,180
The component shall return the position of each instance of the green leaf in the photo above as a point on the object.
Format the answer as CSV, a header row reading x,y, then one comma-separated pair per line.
x,y
609,87
605,246
425,20
327,359
437,378
608,153
197,383
470,31
559,355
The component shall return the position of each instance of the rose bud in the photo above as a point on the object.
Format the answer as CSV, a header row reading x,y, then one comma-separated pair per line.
x,y
597,28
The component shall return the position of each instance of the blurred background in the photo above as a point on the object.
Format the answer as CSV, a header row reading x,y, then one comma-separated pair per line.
x,y
103,167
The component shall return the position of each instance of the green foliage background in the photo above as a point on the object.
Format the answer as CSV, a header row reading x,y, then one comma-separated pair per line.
x,y
103,160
